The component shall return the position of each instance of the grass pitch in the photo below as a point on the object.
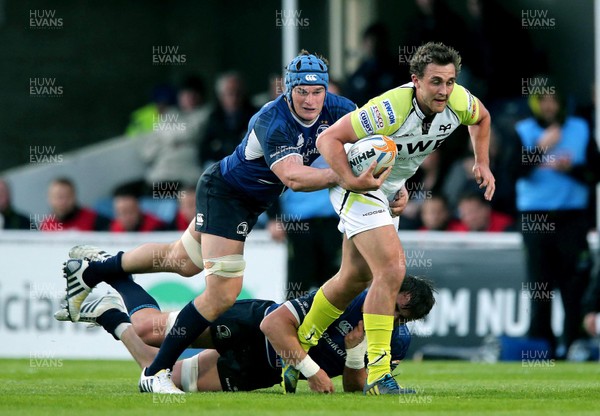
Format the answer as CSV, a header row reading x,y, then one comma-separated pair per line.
x,y
70,387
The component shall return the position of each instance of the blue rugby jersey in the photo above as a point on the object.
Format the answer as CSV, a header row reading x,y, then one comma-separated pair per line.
x,y
274,133
330,352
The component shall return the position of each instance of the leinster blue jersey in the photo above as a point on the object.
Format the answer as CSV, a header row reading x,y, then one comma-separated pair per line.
x,y
330,352
274,133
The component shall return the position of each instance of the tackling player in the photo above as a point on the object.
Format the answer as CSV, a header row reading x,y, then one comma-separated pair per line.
x,y
277,152
418,116
237,356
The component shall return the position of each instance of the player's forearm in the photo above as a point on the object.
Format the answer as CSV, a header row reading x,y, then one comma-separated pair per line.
x,y
332,150
306,179
354,380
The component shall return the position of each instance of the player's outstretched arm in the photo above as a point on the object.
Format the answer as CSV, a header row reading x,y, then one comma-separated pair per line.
x,y
300,178
281,329
480,138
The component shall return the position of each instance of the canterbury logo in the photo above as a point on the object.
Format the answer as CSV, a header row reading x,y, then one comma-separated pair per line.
x,y
310,77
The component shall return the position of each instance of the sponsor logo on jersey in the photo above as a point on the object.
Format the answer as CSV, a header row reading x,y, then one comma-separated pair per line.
x,y
322,128
419,147
471,104
391,115
474,110
242,229
377,117
365,122
310,77
443,127
300,140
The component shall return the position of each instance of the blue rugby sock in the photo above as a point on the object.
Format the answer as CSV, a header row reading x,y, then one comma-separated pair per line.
x,y
188,326
111,319
134,296
104,271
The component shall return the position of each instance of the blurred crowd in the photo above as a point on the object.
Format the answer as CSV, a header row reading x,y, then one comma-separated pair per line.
x,y
543,152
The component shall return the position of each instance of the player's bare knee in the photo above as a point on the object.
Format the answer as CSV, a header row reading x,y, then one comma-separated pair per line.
x,y
181,261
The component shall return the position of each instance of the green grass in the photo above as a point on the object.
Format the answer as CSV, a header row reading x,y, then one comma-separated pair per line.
x,y
110,388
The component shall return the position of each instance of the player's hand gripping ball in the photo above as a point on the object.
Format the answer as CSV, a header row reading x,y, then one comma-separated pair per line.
x,y
373,148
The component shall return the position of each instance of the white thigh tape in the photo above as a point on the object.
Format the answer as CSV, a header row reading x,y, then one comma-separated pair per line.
x,y
232,265
192,248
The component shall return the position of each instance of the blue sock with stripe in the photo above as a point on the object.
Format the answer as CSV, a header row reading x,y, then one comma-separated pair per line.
x,y
134,296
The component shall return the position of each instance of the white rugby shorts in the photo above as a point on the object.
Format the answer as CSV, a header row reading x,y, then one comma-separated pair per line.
x,y
361,212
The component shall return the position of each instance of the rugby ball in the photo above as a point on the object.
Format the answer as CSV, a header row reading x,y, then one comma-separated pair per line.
x,y
372,148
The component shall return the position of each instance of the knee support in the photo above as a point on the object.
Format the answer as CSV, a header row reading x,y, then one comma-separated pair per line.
x,y
192,248
232,265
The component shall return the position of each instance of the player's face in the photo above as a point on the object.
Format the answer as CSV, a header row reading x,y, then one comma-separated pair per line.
x,y
434,89
308,101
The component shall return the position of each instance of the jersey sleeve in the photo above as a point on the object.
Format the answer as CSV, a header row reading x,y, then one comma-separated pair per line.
x,y
383,114
274,137
400,342
465,105
299,307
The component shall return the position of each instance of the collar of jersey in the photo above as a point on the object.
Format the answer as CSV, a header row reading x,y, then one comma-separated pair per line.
x,y
418,111
302,123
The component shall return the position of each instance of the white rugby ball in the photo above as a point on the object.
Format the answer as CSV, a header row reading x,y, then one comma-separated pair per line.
x,y
378,148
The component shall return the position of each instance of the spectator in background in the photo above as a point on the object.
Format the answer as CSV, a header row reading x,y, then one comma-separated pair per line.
x,y
142,120
10,219
476,214
436,215
128,214
378,71
171,151
275,90
420,187
66,214
228,121
552,199
186,209
459,178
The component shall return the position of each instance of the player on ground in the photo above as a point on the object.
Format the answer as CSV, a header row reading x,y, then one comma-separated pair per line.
x,y
277,152
237,355
418,116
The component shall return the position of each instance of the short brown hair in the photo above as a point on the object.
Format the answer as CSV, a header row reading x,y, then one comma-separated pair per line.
x,y
433,53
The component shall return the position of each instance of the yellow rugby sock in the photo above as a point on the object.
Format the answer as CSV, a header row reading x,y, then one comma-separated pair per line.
x,y
321,314
378,329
